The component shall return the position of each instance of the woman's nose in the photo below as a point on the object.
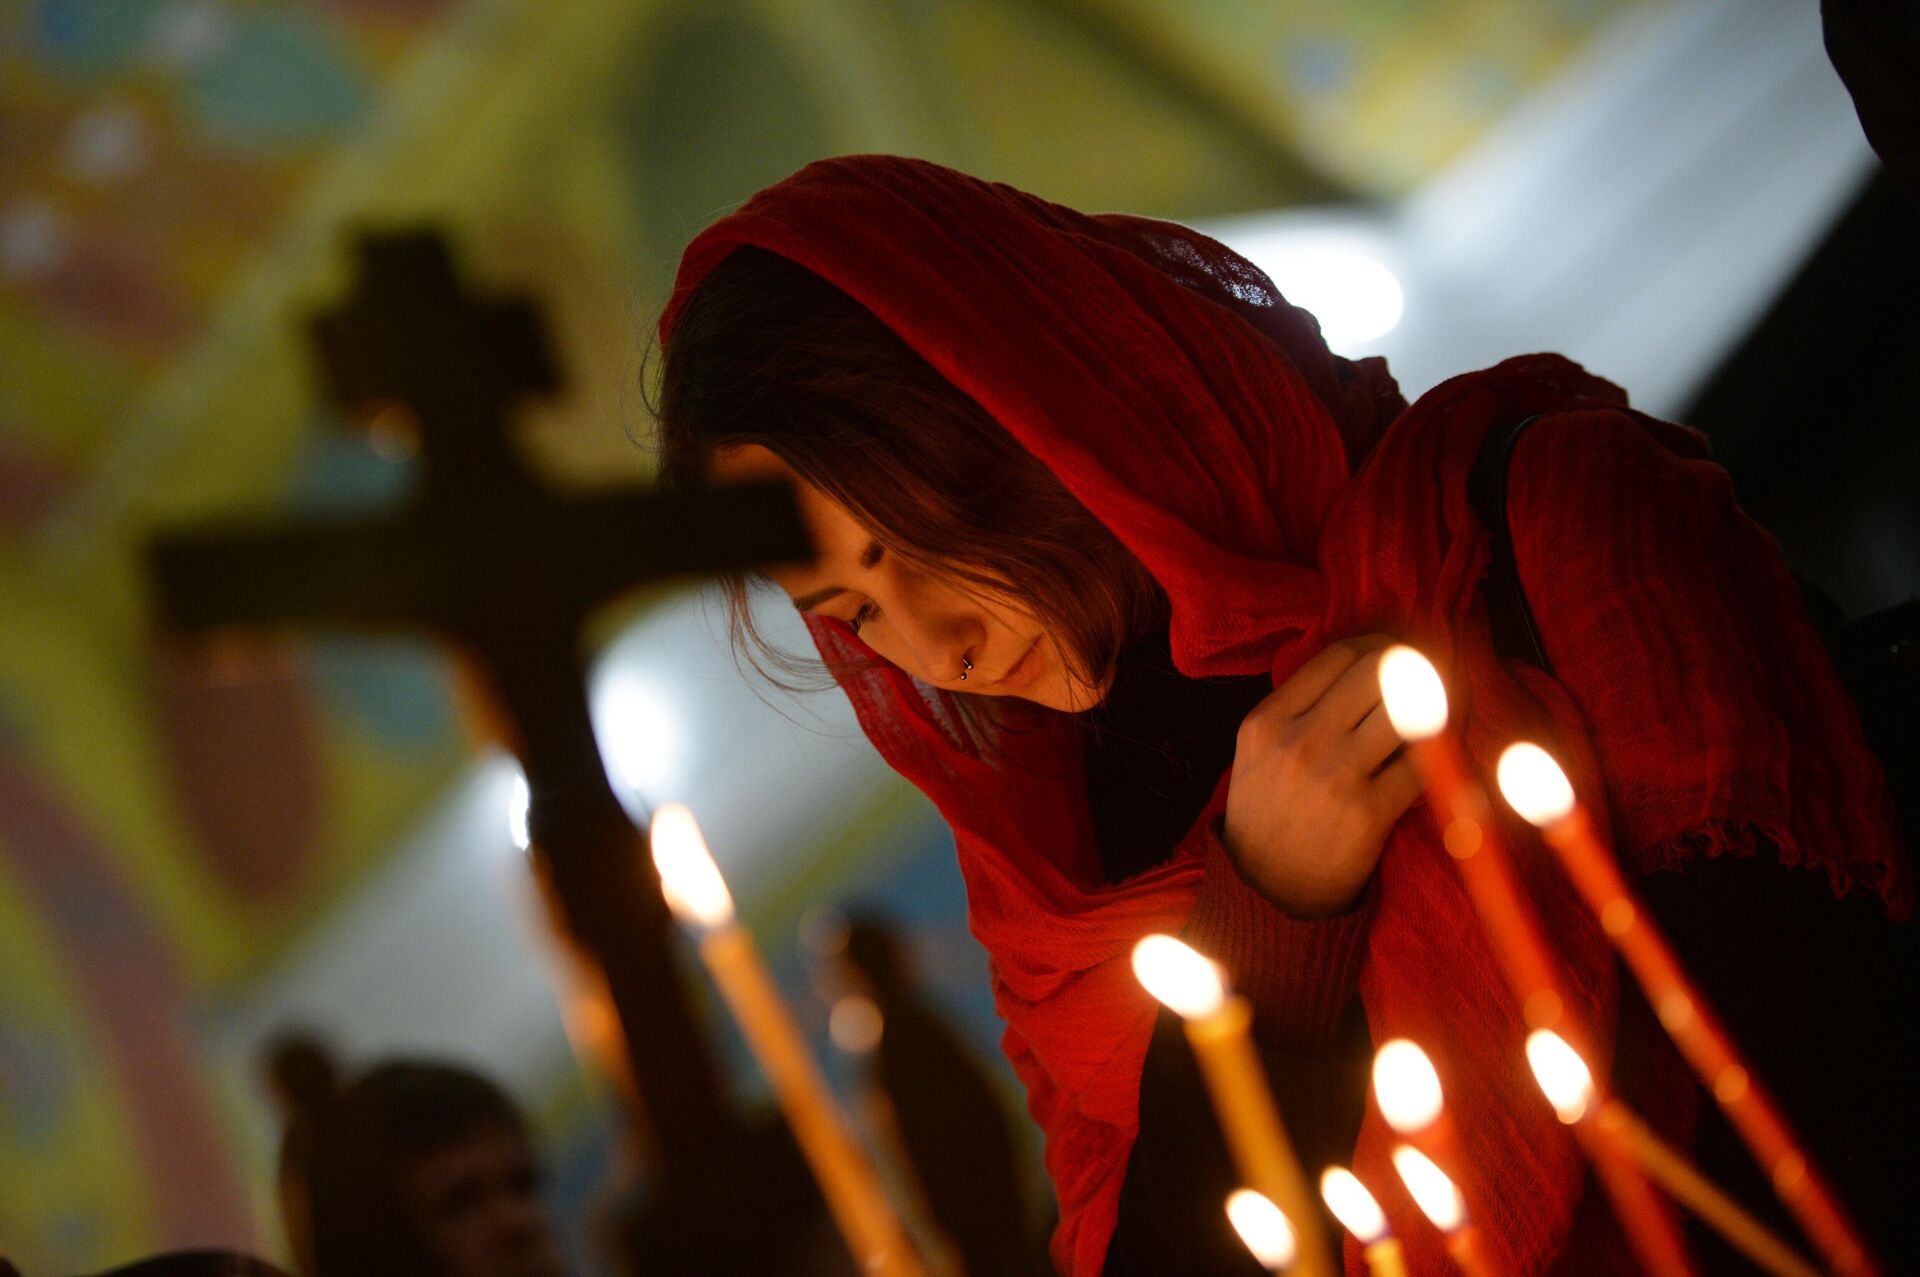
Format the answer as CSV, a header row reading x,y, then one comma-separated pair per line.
x,y
942,644
943,658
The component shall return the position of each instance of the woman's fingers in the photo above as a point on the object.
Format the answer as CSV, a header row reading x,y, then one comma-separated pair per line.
x,y
1303,691
1353,696
1315,783
1393,790
1374,739
1330,711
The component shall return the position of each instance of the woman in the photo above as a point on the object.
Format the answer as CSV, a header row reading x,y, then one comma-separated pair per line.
x,y
1109,542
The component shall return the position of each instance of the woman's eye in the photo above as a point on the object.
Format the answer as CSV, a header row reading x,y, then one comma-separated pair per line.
x,y
866,613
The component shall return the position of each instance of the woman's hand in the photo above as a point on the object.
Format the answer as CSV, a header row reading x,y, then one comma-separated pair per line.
x,y
1318,780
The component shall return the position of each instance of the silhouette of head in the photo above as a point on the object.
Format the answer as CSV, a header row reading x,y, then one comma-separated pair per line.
x,y
427,1168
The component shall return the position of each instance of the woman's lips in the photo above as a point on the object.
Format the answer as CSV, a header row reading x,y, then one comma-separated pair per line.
x,y
1024,670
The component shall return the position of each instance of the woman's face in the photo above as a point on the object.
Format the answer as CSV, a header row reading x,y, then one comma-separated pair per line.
x,y
926,625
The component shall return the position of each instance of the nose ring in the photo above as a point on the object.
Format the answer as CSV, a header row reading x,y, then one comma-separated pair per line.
x,y
966,668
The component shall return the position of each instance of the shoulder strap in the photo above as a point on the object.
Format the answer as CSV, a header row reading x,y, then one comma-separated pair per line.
x,y
1514,634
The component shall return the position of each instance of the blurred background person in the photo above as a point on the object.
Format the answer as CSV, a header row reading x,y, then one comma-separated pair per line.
x,y
302,1080
426,1168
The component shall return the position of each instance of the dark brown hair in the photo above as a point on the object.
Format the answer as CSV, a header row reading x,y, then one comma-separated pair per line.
x,y
766,352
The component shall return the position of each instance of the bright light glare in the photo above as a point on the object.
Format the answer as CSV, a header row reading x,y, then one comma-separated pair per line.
x,y
1562,1074
1407,1087
1356,297
694,889
855,1024
519,811
1534,785
1353,1205
1262,1227
1438,1198
1414,696
639,735
1174,973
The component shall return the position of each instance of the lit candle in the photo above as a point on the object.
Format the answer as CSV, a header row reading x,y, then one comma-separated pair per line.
x,y
1440,1201
1568,1085
1408,1091
1354,1207
1262,1227
1416,705
699,897
1217,1027
1408,1088
1537,788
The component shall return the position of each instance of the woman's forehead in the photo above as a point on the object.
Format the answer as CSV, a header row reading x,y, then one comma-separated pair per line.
x,y
838,537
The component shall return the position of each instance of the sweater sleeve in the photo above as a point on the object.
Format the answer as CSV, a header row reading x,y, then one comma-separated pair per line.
x,y
1299,974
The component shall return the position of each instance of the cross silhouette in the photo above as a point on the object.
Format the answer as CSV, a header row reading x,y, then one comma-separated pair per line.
x,y
485,556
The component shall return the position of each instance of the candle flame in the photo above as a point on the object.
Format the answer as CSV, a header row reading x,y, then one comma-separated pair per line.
x,y
694,889
1414,696
1174,973
1407,1087
1438,1198
1534,785
1353,1205
1262,1227
1562,1074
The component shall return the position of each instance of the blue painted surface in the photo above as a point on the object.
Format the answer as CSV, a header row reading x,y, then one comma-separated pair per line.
x,y
397,690
90,37
281,80
339,472
1320,67
36,1069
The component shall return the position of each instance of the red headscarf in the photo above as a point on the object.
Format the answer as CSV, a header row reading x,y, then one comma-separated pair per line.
x,y
1202,419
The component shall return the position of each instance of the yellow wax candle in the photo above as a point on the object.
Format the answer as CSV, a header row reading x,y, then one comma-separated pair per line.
x,y
1568,1085
1356,1208
1218,1026
1385,1258
699,896
1407,1088
1263,1228
1441,1202
1535,786
1416,703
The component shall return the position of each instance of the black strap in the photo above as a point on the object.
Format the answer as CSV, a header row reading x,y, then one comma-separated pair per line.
x,y
1515,636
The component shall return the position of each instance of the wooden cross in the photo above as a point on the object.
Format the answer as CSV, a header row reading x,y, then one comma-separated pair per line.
x,y
485,556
